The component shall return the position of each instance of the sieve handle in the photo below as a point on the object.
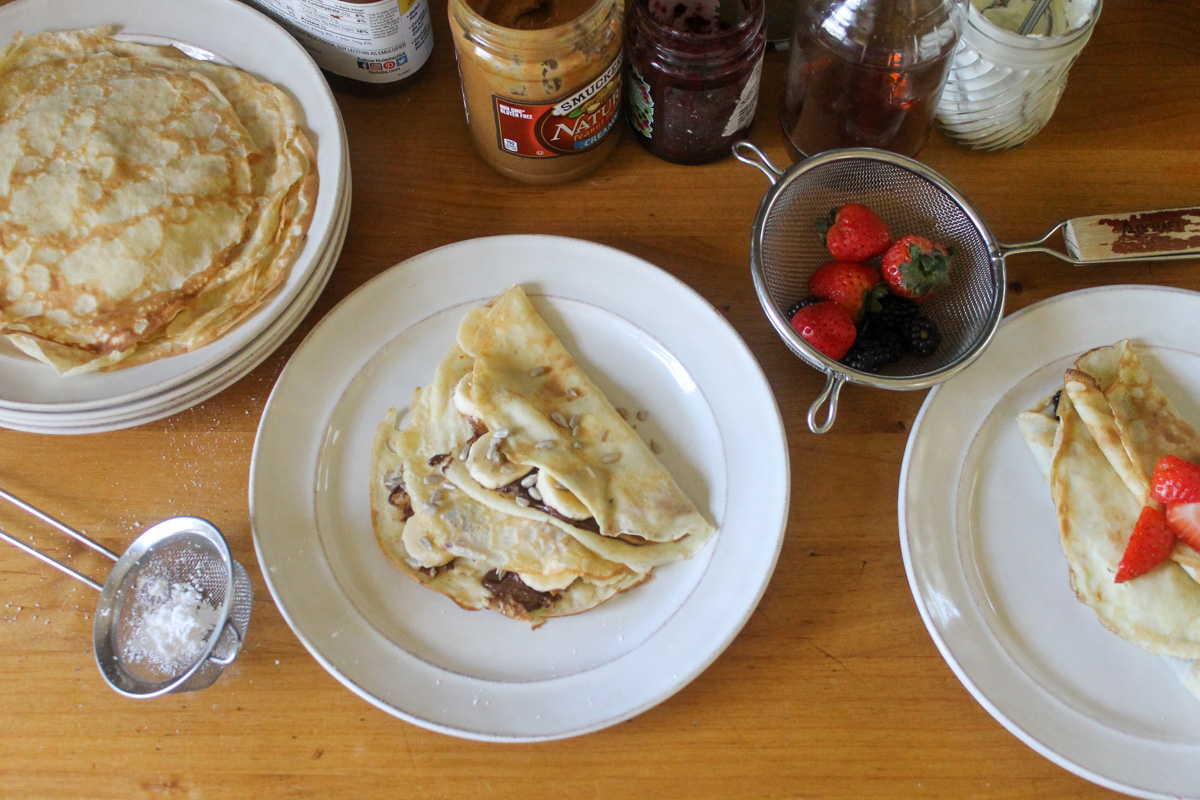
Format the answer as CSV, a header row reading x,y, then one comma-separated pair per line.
x,y
49,520
833,387
45,559
1162,235
748,153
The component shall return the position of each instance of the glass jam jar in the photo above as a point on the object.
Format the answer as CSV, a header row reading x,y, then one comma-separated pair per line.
x,y
541,83
694,68
868,73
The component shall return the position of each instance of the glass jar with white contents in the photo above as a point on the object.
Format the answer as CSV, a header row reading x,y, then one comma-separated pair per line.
x,y
1003,87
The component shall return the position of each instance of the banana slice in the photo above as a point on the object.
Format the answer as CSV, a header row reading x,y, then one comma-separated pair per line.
x,y
558,497
492,472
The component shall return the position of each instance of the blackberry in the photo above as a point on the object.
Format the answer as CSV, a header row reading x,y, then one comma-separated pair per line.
x,y
922,336
804,301
873,349
895,312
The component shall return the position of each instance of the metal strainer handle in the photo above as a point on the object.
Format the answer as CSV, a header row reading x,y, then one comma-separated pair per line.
x,y
38,554
833,387
748,153
1162,235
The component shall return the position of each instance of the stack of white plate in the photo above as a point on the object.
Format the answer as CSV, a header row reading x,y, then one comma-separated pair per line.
x,y
32,395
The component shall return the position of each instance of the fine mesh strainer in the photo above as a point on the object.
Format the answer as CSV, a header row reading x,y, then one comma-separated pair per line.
x,y
786,247
174,610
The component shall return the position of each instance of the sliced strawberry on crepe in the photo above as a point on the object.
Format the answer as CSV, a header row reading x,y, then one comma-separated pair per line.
x,y
1149,545
1184,522
1175,481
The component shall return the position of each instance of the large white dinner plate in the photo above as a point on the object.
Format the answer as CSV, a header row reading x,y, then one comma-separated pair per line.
x,y
981,547
241,36
200,387
651,344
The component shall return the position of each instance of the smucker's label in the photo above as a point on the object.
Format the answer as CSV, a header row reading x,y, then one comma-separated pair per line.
x,y
569,126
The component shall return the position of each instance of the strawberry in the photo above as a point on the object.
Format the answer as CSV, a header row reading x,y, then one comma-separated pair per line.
x,y
1184,521
853,285
854,232
826,326
1148,546
916,267
1175,481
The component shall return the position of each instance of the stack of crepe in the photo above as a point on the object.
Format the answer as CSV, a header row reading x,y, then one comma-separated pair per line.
x,y
148,201
1097,441
516,485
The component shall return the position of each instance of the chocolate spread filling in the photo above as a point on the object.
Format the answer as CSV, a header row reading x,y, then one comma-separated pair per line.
x,y
517,490
509,589
400,499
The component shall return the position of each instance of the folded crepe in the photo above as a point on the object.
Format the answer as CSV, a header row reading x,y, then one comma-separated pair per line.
x,y
594,477
516,485
441,537
1096,442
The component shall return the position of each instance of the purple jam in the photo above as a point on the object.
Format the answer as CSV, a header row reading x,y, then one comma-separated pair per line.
x,y
694,69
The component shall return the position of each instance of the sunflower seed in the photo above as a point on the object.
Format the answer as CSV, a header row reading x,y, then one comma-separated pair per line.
x,y
559,486
507,467
433,478
572,393
523,502
537,372
436,497
448,486
501,433
577,445
610,458
535,494
623,412
529,480
604,435
466,451
430,508
655,447
426,543
545,444
393,480
558,419
575,430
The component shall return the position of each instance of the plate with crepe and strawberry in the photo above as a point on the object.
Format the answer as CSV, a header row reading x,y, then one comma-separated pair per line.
x,y
1047,515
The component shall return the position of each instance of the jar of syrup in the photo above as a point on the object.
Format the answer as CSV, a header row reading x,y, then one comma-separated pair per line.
x,y
694,68
368,47
868,73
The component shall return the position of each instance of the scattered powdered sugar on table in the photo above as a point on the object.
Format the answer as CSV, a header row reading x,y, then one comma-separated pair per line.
x,y
171,625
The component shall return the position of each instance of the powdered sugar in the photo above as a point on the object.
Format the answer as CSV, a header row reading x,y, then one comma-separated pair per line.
x,y
171,624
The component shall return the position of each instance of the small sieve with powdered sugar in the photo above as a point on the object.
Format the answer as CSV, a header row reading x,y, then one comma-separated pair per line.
x,y
174,610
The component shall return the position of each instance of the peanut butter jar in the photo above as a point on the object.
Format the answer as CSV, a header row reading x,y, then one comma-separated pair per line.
x,y
541,83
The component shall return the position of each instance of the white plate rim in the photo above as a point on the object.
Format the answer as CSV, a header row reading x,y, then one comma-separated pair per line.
x,y
690,661
1009,693
248,38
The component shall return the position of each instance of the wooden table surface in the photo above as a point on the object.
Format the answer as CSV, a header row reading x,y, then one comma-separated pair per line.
x,y
833,688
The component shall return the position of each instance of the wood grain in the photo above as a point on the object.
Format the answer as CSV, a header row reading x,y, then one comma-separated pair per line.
x,y
834,689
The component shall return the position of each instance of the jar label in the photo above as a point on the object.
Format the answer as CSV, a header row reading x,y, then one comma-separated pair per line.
x,y
375,42
569,126
744,112
641,105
